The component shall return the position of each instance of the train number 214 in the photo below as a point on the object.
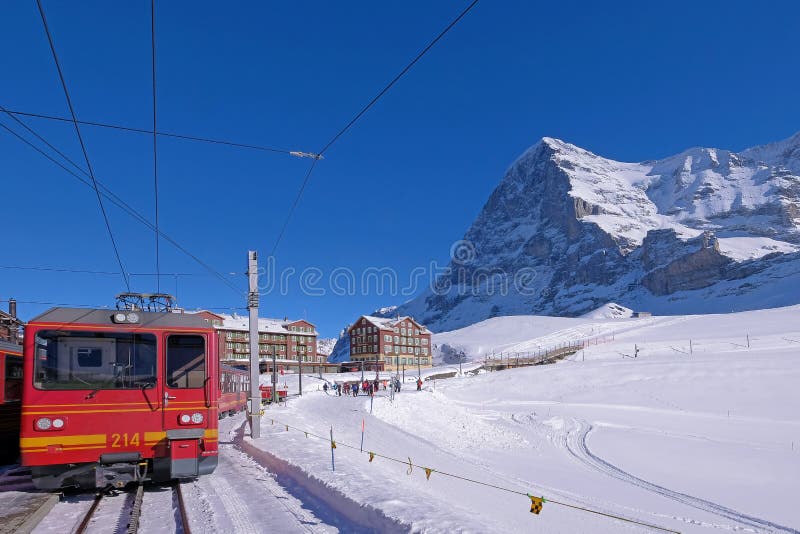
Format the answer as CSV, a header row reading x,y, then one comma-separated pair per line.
x,y
125,440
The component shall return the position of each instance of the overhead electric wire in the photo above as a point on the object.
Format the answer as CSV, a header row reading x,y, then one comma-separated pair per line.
x,y
83,146
155,135
396,78
363,110
87,271
161,133
110,195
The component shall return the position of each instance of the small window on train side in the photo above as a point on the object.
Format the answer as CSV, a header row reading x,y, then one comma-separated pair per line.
x,y
186,361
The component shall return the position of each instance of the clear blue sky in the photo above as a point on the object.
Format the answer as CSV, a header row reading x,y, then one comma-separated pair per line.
x,y
628,80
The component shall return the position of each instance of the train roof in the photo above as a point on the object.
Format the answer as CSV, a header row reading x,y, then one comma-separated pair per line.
x,y
7,346
105,317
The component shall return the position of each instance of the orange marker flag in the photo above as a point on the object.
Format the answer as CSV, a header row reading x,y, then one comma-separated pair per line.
x,y
536,504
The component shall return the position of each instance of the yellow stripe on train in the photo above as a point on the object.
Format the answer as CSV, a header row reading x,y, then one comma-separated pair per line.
x,y
59,439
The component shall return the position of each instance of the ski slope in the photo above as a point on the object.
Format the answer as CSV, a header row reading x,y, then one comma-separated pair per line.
x,y
698,433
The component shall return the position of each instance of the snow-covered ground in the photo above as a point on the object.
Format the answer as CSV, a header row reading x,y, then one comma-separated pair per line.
x,y
699,433
696,433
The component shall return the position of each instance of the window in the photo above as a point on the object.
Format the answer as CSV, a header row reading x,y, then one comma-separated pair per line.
x,y
403,331
94,360
387,349
396,349
186,361
396,330
424,350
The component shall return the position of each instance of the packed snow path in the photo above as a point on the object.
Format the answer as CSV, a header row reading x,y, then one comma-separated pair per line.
x,y
575,442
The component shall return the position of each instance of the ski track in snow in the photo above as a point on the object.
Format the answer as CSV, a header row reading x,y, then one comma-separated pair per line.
x,y
574,440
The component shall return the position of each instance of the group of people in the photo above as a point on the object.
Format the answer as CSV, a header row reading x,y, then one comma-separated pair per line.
x,y
368,387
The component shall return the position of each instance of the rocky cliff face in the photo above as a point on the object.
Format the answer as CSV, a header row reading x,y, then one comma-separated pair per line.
x,y
566,231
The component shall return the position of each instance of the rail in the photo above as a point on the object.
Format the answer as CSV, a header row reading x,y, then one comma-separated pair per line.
x,y
524,359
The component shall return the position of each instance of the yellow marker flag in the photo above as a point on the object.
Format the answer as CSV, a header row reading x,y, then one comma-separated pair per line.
x,y
536,504
333,444
371,456
428,472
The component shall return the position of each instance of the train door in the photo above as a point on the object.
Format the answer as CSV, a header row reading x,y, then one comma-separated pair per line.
x,y
187,399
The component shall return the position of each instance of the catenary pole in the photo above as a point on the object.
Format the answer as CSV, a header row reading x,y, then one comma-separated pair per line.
x,y
252,306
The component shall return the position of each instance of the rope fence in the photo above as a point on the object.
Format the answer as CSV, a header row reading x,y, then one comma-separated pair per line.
x,y
536,502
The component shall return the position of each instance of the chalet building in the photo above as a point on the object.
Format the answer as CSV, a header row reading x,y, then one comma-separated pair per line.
x,y
291,342
10,325
390,344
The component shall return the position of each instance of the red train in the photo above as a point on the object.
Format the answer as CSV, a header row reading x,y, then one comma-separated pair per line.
x,y
113,397
266,394
10,400
234,385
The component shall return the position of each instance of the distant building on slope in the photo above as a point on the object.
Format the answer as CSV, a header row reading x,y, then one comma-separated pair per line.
x,y
292,342
389,344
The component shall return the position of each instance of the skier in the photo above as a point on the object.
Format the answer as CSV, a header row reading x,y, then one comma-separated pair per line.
x,y
355,389
419,384
325,387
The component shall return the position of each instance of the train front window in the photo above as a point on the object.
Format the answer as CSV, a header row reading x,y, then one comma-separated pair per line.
x,y
186,361
68,359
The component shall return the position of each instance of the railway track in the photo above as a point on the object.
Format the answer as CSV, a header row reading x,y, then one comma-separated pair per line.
x,y
132,511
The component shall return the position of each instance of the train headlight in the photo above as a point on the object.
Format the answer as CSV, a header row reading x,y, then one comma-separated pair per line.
x,y
186,418
197,418
44,423
58,424
125,317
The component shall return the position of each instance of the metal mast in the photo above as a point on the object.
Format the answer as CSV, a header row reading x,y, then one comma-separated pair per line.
x,y
252,306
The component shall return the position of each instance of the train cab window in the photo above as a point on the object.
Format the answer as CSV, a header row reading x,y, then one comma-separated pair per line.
x,y
186,361
94,360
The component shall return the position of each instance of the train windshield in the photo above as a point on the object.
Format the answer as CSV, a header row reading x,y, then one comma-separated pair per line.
x,y
94,360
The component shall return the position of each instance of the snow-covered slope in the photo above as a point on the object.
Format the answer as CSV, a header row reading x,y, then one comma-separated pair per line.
x,y
584,230
325,345
697,434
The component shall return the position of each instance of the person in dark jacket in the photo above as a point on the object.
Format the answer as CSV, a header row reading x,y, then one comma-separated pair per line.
x,y
355,390
325,387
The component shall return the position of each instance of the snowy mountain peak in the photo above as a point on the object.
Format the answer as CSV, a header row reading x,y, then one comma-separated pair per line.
x,y
593,230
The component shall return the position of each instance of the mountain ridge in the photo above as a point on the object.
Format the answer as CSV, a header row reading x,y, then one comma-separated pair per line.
x,y
592,230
